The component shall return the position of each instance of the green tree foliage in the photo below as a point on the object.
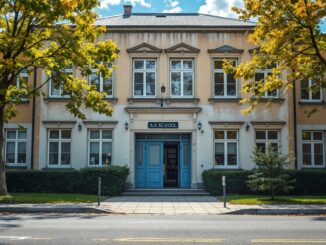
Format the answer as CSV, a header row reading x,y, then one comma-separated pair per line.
x,y
270,172
51,35
287,33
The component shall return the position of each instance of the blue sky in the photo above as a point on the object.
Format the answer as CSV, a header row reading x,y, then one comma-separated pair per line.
x,y
214,7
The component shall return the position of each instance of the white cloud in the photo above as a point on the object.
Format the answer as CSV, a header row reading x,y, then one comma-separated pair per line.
x,y
173,10
106,3
174,4
220,7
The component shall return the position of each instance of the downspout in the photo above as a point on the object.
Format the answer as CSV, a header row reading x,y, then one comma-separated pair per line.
x,y
33,120
295,125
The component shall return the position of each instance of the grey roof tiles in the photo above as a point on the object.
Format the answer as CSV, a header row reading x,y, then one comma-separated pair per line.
x,y
191,20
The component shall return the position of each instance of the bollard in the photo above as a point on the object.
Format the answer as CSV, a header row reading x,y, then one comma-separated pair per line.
x,y
99,191
224,190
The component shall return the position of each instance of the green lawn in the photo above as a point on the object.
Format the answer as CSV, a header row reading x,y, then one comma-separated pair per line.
x,y
252,200
48,198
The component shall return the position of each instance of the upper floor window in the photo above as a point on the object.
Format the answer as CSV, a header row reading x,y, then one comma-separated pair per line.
x,y
225,85
100,147
266,137
226,148
102,84
182,78
59,147
261,76
15,148
306,92
22,79
56,86
144,78
312,148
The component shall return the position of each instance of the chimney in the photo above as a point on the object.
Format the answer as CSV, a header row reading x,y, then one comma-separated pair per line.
x,y
127,9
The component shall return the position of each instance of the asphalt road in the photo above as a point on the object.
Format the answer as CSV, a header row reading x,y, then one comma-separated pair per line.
x,y
146,229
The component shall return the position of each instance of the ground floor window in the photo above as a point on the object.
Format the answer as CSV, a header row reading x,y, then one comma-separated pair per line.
x,y
226,148
59,147
266,137
312,148
100,147
15,147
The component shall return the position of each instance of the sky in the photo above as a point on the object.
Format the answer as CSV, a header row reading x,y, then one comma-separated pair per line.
x,y
214,7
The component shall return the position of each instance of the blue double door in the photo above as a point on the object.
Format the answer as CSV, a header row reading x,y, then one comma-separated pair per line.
x,y
150,164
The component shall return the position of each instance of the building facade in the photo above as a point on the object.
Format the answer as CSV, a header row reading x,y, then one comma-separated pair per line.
x,y
176,112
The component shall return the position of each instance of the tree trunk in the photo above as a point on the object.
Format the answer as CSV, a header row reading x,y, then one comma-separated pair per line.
x,y
3,184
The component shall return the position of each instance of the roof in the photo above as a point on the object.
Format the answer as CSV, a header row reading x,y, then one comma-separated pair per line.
x,y
171,20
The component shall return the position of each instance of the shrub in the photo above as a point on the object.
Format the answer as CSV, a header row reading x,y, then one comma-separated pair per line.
x,y
308,182
82,181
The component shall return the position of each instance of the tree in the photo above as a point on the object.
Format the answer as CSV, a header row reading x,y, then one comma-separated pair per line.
x,y
270,172
50,35
287,34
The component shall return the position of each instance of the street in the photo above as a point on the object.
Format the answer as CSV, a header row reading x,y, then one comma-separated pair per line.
x,y
154,229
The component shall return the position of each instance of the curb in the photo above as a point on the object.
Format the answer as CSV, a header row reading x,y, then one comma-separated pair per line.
x,y
255,211
66,210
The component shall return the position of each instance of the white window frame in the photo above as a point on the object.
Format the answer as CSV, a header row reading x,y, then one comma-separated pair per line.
x,y
182,71
22,74
144,71
101,81
225,141
312,143
265,72
16,141
310,99
267,141
59,141
224,79
66,70
100,141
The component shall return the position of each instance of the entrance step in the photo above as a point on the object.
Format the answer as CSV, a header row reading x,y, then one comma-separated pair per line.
x,y
165,192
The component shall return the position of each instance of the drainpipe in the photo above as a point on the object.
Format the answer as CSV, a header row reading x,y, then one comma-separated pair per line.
x,y
295,125
33,120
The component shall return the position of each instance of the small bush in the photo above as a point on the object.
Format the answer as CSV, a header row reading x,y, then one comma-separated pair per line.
x,y
308,182
82,181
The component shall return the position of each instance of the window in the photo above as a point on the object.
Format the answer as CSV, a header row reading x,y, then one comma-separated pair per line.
x,y
226,148
102,84
312,148
266,137
59,147
225,85
144,77
182,78
22,82
56,88
261,76
100,147
306,93
15,148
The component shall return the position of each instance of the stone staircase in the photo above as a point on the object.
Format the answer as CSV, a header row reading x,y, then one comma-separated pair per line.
x,y
165,192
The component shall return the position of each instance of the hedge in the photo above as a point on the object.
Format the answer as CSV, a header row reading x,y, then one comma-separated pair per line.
x,y
82,181
307,182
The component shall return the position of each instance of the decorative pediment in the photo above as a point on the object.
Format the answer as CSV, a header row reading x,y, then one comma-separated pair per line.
x,y
144,48
225,49
182,48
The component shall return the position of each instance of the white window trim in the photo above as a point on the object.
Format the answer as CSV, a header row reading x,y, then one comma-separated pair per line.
x,y
101,81
182,71
100,141
225,141
267,141
310,93
144,71
67,70
224,79
16,141
22,74
266,96
312,143
59,140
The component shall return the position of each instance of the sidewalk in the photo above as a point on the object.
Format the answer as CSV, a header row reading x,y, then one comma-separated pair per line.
x,y
164,205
